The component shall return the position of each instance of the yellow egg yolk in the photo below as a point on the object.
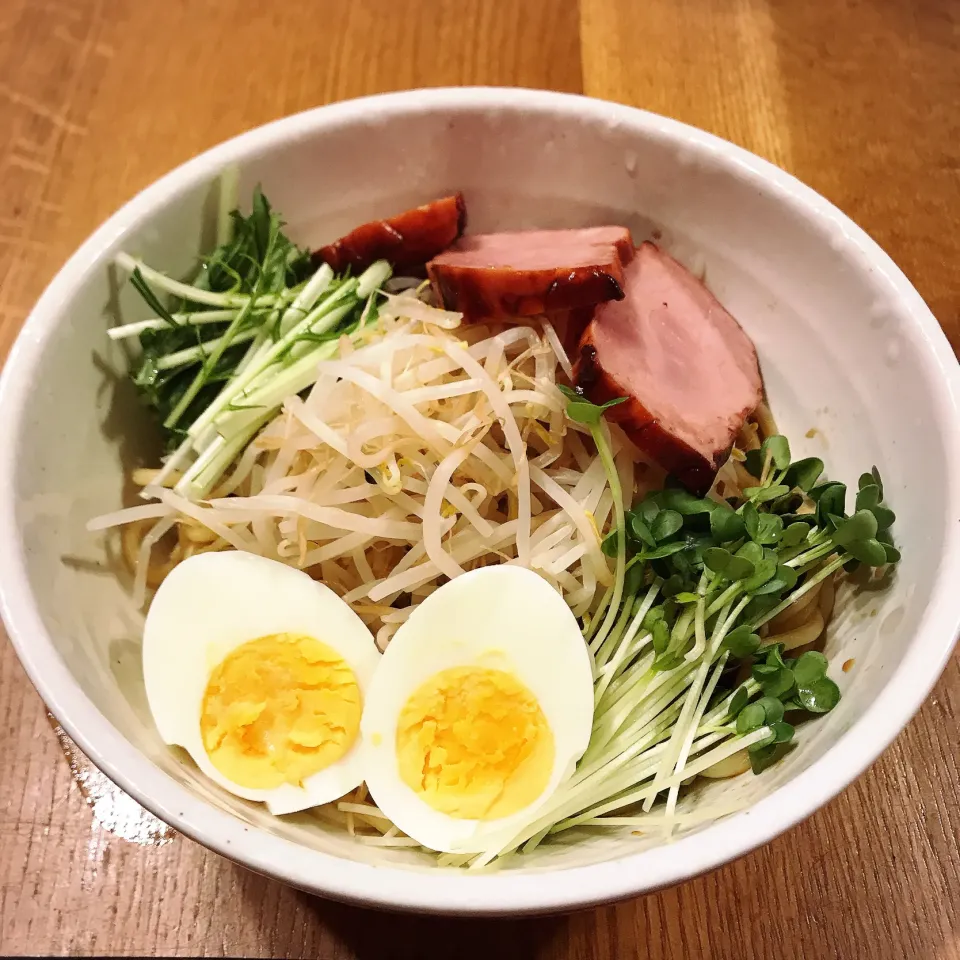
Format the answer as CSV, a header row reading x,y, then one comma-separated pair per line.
x,y
278,709
474,744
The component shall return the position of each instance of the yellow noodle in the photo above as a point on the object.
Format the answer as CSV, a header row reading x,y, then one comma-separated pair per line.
x,y
747,439
800,636
765,421
732,766
828,594
194,533
744,477
146,476
797,613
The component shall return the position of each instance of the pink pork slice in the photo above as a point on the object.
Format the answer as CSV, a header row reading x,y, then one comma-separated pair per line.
x,y
688,369
521,274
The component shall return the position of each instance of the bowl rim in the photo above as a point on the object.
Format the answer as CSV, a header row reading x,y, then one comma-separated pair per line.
x,y
446,892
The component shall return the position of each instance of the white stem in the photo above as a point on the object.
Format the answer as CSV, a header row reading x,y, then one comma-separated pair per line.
x,y
227,202
307,297
187,292
180,319
202,350
322,317
373,278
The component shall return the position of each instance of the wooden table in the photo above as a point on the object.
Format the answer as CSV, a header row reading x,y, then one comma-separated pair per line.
x,y
859,98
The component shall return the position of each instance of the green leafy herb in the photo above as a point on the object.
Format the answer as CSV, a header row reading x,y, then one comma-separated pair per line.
x,y
795,534
819,697
861,526
664,550
675,498
751,551
666,524
761,758
769,529
890,553
722,561
803,474
581,410
611,543
774,681
869,551
738,701
764,572
741,642
704,577
751,519
809,668
830,499
762,494
726,525
871,479
884,516
751,718
224,351
868,497
778,449
772,710
641,530
661,636
753,462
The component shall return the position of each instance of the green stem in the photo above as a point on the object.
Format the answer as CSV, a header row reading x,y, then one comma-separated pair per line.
x,y
203,475
797,594
326,313
236,427
729,594
801,560
600,438
204,372
180,319
608,645
597,617
181,358
185,291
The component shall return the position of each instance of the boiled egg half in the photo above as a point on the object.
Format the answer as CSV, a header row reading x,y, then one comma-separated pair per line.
x,y
481,707
260,674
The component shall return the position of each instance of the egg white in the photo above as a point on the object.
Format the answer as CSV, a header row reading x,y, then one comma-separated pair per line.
x,y
212,603
506,618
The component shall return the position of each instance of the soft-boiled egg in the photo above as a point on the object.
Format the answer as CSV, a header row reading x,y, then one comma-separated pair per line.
x,y
260,674
480,708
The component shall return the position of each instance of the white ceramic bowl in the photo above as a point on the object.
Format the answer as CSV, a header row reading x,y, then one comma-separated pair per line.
x,y
847,346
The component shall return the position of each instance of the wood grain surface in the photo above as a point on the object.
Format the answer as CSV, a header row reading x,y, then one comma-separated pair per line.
x,y
859,98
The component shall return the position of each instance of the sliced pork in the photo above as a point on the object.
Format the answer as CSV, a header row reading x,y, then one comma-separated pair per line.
x,y
501,275
689,370
408,240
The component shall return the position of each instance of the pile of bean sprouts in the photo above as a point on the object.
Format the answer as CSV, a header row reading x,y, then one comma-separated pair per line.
x,y
428,448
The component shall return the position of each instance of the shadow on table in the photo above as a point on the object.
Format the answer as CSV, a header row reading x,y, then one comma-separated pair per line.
x,y
373,935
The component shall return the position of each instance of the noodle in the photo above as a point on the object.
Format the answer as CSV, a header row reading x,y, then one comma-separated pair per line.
x,y
806,632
